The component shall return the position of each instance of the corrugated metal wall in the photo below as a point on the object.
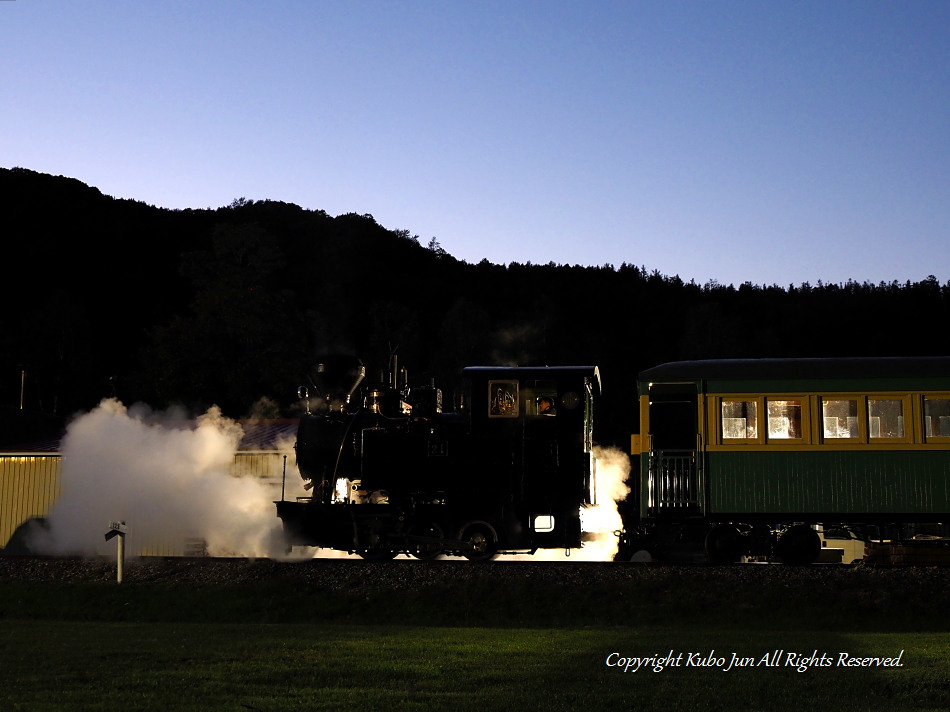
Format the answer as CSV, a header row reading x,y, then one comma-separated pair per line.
x,y
29,484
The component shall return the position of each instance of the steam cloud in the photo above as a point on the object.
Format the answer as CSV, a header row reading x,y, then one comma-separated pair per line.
x,y
612,468
167,481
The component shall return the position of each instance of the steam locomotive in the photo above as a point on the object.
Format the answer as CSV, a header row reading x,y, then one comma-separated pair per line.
x,y
737,458
507,471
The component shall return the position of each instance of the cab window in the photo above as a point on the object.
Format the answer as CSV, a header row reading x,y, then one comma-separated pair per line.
x,y
541,398
503,399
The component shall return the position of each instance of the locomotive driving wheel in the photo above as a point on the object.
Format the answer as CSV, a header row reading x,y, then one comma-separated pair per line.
x,y
372,542
481,541
425,540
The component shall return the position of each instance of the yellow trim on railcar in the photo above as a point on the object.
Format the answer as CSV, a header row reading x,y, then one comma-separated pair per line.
x,y
832,420
828,420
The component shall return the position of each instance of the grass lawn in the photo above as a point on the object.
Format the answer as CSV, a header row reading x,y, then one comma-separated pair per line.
x,y
272,646
96,665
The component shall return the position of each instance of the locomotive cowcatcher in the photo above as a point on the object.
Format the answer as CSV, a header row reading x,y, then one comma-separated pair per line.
x,y
508,471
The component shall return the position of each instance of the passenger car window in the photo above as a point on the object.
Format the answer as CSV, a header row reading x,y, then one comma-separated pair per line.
x,y
739,419
936,417
784,419
839,417
885,418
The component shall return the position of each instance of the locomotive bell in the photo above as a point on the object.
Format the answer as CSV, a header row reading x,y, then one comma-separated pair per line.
x,y
373,400
382,400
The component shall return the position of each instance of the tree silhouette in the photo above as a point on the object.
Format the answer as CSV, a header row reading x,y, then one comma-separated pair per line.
x,y
234,304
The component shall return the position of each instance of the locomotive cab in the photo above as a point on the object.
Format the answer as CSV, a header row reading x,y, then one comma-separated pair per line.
x,y
392,473
535,429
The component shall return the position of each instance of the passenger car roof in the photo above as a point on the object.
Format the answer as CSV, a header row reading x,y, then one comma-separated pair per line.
x,y
800,368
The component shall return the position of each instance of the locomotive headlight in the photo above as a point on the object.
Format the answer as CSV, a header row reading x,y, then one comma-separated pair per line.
x,y
341,491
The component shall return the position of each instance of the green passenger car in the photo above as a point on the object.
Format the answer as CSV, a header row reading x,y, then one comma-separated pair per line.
x,y
754,454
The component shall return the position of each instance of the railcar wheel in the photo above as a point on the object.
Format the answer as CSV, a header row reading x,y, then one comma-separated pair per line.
x,y
723,544
799,545
424,550
481,540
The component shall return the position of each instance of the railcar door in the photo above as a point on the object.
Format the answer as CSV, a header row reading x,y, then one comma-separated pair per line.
x,y
675,464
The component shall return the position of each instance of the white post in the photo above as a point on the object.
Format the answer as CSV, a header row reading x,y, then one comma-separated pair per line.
x,y
118,529
121,558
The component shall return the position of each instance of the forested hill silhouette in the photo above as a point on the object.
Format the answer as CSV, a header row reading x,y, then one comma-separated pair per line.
x,y
230,306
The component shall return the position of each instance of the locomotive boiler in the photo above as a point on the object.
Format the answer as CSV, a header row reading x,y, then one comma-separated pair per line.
x,y
507,469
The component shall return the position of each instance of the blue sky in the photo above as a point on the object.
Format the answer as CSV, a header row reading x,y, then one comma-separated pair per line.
x,y
770,142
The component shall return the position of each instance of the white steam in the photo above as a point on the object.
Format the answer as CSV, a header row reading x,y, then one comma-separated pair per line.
x,y
168,480
611,470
